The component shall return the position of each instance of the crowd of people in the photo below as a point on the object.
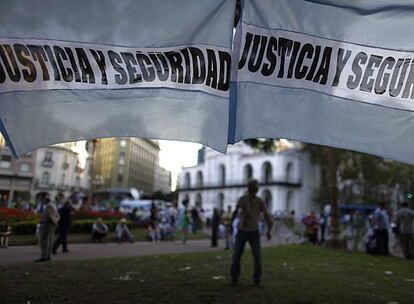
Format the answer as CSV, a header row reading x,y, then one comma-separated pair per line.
x,y
360,230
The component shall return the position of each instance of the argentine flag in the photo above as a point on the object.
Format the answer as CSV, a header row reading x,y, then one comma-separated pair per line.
x,y
332,72
72,70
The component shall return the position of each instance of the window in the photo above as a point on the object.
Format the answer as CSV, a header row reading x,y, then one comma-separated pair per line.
x,y
48,156
122,143
24,167
267,172
248,173
220,201
5,162
289,171
77,181
289,201
121,161
199,179
187,180
121,169
222,175
198,202
62,179
45,178
267,198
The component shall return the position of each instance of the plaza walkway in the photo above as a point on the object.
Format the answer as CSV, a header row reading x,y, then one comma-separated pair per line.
x,y
21,254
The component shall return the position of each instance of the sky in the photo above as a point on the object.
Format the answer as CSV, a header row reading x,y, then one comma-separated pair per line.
x,y
174,155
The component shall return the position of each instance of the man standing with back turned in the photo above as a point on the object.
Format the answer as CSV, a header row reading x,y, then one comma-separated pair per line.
x,y
249,207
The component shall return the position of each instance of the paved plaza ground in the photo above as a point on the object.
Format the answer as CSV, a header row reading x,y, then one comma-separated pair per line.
x,y
22,254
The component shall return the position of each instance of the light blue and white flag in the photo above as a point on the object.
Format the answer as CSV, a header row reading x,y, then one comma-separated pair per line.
x,y
333,72
72,70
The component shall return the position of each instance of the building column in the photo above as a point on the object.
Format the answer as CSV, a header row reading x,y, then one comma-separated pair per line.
x,y
11,192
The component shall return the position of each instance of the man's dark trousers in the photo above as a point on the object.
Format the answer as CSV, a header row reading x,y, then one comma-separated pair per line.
x,y
382,240
407,245
253,238
62,239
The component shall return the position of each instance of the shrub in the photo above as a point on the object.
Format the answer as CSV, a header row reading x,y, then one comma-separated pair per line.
x,y
24,227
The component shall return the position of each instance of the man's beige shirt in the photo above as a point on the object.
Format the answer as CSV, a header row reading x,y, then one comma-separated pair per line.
x,y
250,208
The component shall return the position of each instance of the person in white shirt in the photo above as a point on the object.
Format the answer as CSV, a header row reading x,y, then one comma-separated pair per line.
x,y
48,223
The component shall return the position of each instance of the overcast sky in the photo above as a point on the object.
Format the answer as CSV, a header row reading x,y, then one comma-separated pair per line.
x,y
175,154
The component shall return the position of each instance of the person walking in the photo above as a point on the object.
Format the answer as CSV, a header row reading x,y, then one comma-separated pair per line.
x,y
381,227
194,220
64,224
311,228
48,222
405,230
322,224
185,225
227,222
248,209
215,224
154,222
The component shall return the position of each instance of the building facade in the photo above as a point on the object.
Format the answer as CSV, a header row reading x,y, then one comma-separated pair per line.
x,y
16,176
58,172
287,179
125,163
162,180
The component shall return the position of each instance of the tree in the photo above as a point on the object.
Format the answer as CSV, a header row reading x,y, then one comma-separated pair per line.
x,y
349,177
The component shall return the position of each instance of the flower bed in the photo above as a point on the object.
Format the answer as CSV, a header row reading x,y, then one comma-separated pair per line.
x,y
17,215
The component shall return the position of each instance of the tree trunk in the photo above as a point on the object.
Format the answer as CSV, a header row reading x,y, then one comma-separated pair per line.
x,y
335,230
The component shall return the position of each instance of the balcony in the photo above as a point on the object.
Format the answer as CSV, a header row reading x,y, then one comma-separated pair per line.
x,y
65,166
76,189
239,184
47,163
45,186
62,187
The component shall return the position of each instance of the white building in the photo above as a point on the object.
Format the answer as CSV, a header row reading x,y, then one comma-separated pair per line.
x,y
287,179
58,171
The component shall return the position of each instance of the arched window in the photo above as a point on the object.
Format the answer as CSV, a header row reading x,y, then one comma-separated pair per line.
x,y
267,198
248,172
222,171
45,178
289,201
199,201
220,201
289,171
186,201
267,172
77,181
187,180
199,179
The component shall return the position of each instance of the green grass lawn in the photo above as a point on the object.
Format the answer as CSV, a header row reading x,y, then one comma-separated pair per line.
x,y
292,274
139,234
